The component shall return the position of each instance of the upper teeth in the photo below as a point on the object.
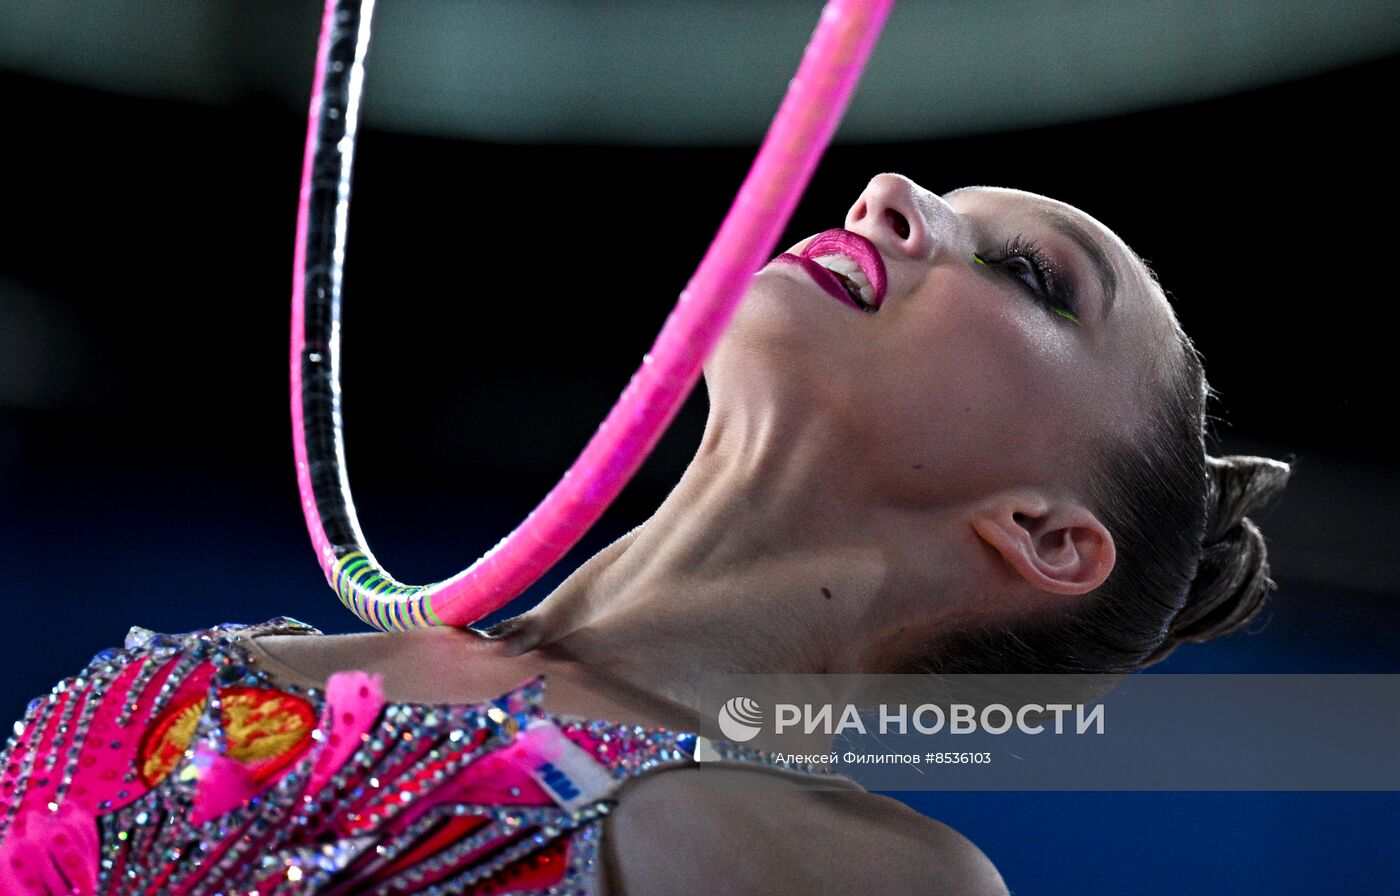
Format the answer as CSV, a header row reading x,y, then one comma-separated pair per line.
x,y
847,268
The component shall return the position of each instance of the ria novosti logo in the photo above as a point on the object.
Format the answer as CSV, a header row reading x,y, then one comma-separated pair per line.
x,y
740,719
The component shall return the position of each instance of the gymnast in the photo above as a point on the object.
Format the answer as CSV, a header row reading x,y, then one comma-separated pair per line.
x,y
959,433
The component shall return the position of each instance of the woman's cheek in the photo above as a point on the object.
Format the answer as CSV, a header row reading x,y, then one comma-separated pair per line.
x,y
997,369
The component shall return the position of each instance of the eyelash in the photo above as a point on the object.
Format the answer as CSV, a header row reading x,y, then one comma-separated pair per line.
x,y
1046,290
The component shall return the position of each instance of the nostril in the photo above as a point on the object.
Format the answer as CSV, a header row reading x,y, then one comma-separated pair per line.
x,y
898,222
858,213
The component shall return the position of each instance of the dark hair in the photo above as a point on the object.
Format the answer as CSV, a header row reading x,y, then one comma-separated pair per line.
x,y
1190,566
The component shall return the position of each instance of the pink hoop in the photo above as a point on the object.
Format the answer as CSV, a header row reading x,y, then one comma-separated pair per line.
x,y
801,130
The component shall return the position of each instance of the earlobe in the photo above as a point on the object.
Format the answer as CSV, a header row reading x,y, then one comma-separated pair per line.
x,y
1059,548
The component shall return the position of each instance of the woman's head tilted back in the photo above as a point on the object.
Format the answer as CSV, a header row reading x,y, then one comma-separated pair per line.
x,y
1025,383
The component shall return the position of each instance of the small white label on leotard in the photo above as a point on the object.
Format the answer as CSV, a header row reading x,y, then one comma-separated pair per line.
x,y
566,771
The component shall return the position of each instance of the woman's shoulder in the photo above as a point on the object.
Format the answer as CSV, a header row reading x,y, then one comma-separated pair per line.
x,y
675,832
140,639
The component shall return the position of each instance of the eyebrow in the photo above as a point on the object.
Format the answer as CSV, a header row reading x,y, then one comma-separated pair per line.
x,y
1074,231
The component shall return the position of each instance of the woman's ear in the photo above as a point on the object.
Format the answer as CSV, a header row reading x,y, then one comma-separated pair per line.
x,y
1055,545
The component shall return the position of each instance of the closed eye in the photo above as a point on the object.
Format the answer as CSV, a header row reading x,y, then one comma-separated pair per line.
x,y
1028,265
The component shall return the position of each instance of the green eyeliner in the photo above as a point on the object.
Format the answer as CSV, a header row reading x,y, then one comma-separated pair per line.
x,y
1062,312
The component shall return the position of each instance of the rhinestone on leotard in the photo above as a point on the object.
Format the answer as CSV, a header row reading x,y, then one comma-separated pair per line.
x,y
377,824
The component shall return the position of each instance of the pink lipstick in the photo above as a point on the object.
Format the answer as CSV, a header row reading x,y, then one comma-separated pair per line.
x,y
823,277
856,248
850,269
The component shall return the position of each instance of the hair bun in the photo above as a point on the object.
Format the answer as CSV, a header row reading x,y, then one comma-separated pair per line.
x,y
1237,484
1232,580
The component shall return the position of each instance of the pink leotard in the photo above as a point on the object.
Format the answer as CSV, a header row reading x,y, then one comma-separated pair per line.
x,y
181,765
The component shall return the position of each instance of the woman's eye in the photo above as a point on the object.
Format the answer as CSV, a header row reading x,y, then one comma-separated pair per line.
x,y
1020,267
1025,269
1032,274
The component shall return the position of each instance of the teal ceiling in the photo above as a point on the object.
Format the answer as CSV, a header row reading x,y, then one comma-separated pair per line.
x,y
667,72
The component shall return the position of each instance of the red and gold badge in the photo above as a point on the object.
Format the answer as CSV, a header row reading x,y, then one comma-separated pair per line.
x,y
265,729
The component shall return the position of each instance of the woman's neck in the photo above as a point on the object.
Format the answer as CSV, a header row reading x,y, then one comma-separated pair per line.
x,y
751,564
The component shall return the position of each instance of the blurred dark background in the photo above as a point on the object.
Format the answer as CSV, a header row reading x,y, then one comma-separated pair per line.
x,y
150,177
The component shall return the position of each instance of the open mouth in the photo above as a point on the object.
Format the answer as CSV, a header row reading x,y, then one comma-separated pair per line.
x,y
852,279
846,265
842,289
855,263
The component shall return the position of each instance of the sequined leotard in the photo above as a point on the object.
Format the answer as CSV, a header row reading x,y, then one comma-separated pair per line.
x,y
178,765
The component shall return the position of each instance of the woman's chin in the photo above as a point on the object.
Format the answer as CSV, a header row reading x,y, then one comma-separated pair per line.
x,y
786,332
784,303
772,324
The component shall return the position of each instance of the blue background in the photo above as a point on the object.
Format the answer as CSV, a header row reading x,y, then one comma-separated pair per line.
x,y
145,462
107,548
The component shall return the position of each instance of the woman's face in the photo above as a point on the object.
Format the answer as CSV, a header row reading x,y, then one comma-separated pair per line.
x,y
1014,334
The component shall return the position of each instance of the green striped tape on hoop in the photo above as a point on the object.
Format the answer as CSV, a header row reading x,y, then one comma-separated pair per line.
x,y
379,600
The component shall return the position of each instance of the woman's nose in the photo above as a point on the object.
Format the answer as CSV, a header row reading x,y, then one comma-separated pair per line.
x,y
900,216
